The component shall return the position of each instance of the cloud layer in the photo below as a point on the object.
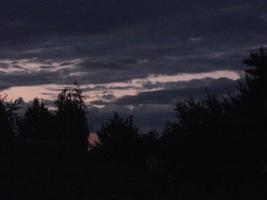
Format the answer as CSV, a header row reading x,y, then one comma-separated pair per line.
x,y
120,51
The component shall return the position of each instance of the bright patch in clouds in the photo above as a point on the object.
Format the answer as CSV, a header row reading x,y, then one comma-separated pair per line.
x,y
35,65
100,92
154,78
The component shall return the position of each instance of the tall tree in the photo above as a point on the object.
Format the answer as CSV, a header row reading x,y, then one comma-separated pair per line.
x,y
251,108
71,118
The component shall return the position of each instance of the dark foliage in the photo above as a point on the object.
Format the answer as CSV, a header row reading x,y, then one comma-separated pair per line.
x,y
71,118
151,143
38,122
8,118
119,140
5,129
222,137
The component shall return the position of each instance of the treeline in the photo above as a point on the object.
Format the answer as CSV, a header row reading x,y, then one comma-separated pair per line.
x,y
218,138
67,123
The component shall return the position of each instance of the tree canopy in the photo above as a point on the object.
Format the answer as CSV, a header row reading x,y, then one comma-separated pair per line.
x,y
71,117
119,139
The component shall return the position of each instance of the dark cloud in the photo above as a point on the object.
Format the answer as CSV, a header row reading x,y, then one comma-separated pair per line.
x,y
46,67
79,16
120,40
3,85
28,78
106,41
108,96
21,21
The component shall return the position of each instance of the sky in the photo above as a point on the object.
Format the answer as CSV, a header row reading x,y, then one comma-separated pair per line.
x,y
131,56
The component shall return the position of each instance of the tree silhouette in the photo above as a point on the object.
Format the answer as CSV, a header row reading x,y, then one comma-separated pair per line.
x,y
251,110
71,118
198,140
8,125
222,135
5,125
8,117
37,122
119,140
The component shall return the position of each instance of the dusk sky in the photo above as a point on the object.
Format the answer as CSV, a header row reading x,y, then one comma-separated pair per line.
x,y
132,56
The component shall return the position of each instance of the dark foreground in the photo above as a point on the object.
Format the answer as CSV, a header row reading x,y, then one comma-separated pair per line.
x,y
29,174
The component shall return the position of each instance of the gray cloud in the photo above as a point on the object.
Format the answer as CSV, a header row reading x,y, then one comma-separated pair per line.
x,y
196,89
192,37
106,41
154,109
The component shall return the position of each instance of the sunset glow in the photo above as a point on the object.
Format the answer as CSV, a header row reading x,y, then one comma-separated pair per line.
x,y
117,89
